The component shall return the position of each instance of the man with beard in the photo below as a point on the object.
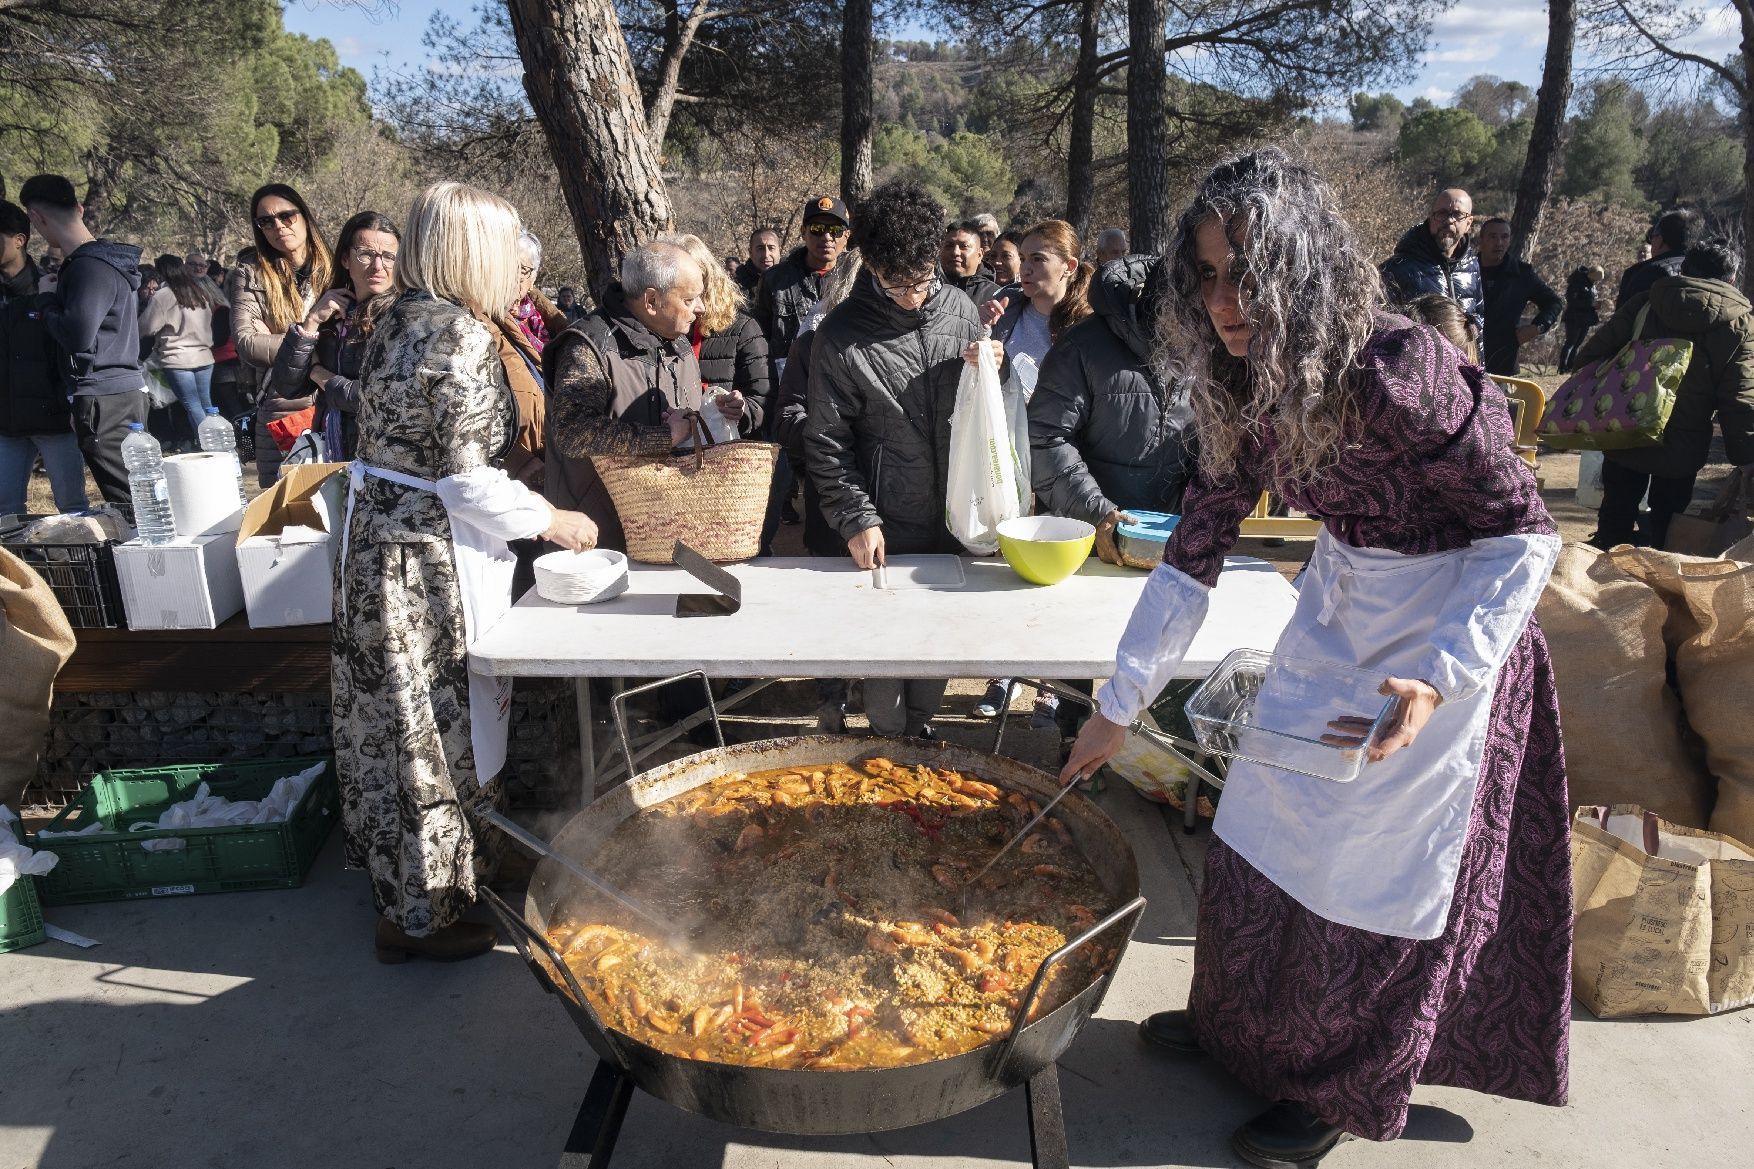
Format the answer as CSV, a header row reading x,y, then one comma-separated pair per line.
x,y
1438,256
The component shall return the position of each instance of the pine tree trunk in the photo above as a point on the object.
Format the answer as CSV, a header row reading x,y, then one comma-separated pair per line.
x,y
1744,92
1081,144
1536,184
858,64
582,88
1147,126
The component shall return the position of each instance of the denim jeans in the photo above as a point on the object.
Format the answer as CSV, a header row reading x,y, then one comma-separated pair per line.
x,y
194,389
61,459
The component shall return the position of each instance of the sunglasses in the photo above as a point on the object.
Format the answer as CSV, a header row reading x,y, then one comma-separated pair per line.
x,y
285,218
831,230
368,257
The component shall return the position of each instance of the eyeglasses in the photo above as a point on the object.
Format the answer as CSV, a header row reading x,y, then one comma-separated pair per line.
x,y
831,230
368,257
525,271
1452,214
927,286
286,218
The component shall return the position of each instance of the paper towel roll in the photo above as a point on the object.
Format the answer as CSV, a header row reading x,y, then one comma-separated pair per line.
x,y
204,492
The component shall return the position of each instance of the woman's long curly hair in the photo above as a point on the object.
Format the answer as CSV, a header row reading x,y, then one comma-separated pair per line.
x,y
1309,295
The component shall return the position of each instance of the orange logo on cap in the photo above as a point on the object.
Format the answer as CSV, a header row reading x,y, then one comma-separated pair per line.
x,y
825,202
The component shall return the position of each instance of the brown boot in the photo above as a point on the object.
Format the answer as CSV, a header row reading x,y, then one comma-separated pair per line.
x,y
463,939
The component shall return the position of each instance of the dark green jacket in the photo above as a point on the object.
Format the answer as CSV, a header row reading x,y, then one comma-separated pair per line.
x,y
1719,321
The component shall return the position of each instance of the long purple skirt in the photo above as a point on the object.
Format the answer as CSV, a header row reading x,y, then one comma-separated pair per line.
x,y
1345,1021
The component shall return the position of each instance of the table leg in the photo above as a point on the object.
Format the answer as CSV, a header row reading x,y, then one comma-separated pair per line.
x,y
587,741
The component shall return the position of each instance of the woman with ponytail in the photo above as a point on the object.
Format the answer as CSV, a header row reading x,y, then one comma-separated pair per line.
x,y
291,269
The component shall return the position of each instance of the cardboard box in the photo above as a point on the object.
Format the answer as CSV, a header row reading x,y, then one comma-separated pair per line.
x,y
190,583
285,546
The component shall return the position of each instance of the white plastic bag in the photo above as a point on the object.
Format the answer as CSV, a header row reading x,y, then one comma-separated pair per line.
x,y
984,489
1017,397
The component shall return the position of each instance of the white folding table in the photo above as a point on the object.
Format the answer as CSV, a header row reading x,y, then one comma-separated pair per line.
x,y
824,618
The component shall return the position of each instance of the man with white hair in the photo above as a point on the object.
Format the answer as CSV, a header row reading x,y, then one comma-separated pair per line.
x,y
621,379
1438,256
1111,244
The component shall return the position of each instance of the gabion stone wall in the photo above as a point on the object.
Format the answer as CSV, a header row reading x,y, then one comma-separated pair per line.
x,y
92,732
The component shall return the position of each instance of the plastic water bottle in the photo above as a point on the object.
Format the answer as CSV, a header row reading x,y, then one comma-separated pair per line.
x,y
217,437
146,483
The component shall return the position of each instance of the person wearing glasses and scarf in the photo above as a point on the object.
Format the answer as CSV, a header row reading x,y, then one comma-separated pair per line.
x,y
791,288
883,375
324,351
291,268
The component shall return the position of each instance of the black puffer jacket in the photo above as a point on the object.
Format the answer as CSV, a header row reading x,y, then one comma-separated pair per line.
x,y
1719,383
338,347
1104,430
788,292
1418,268
33,384
978,288
737,360
882,389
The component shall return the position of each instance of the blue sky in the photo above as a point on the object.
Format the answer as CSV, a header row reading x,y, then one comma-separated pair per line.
x,y
1506,38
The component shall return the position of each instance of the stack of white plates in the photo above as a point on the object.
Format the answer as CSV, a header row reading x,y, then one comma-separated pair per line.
x,y
579,578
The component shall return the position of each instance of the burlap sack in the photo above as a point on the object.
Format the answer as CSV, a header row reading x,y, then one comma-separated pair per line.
x,y
35,642
1711,628
1621,721
1665,916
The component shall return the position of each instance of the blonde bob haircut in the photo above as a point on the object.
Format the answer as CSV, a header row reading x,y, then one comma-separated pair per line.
x,y
720,294
461,243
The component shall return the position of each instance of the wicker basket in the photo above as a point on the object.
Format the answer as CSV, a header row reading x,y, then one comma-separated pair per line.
x,y
712,499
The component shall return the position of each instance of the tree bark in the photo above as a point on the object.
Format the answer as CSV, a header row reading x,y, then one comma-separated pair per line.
x,y
1081,142
1745,10
679,31
1147,126
582,88
1536,184
857,125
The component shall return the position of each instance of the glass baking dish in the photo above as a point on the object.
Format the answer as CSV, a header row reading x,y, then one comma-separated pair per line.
x,y
1270,709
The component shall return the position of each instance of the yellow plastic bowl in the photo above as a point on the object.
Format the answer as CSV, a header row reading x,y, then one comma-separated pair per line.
x,y
1045,549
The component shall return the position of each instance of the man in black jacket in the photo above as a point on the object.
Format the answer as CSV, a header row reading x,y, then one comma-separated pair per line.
x,y
94,319
884,370
764,253
1669,238
961,257
34,418
1510,286
791,287
1437,256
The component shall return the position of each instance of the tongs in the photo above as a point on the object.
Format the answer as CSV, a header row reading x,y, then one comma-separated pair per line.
x,y
541,848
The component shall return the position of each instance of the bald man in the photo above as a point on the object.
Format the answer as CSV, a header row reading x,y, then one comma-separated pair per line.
x,y
1438,256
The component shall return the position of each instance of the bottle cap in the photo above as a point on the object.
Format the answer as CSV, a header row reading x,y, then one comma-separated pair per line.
x,y
212,410
136,426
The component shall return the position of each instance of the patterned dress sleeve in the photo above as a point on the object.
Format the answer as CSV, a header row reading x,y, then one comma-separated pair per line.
x,y
1212,515
464,385
579,424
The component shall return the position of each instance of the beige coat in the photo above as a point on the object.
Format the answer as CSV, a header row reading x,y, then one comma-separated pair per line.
x,y
182,337
257,348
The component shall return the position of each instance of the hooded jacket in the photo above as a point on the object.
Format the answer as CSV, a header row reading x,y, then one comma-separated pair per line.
x,y
33,392
94,317
1419,268
1105,432
1719,382
882,388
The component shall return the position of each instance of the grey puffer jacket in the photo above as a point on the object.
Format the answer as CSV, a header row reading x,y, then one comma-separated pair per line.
x,y
1104,430
882,388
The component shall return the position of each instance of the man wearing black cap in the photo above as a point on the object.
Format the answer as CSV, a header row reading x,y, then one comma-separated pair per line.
x,y
791,288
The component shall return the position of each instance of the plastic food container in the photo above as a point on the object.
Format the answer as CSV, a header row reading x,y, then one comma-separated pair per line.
x,y
1141,542
1274,710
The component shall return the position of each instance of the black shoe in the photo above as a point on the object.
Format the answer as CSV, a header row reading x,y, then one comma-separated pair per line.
x,y
1173,1030
928,734
1286,1136
788,514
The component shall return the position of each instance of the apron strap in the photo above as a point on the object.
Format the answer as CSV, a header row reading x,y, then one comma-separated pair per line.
x,y
356,473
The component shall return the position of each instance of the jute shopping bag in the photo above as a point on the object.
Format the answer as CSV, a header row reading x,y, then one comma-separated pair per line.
x,y
35,642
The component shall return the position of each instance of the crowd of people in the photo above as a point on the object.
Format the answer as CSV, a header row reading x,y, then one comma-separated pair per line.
x,y
1263,352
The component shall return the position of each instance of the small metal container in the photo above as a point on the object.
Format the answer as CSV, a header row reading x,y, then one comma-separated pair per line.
x,y
1274,710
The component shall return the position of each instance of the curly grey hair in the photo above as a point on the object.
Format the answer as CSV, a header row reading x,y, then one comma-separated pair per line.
x,y
1309,295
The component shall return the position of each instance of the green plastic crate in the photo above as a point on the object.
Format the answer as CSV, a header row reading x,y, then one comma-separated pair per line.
x,y
21,915
112,866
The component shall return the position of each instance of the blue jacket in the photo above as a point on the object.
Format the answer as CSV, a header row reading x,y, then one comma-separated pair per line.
x,y
95,318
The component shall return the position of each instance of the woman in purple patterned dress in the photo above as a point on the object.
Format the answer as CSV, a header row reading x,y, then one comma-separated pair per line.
x,y
1412,926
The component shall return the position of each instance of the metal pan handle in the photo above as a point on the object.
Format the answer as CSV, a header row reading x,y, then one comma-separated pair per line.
x,y
1130,913
525,936
619,706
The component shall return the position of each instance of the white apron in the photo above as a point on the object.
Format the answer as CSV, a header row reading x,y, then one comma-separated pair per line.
x,y
485,565
1380,853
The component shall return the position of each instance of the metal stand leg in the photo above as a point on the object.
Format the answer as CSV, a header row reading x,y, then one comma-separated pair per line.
x,y
592,1141
1047,1121
587,741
